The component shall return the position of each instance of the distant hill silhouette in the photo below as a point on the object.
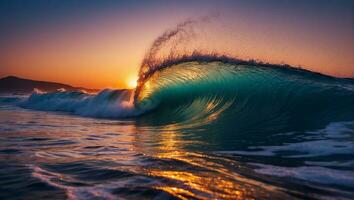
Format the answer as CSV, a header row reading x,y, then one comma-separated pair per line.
x,y
13,84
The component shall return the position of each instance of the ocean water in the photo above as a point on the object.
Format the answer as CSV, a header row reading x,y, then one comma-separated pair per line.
x,y
199,128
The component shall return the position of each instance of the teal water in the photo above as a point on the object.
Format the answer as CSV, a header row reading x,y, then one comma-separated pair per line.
x,y
197,129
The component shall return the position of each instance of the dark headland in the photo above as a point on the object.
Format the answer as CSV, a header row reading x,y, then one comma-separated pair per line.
x,y
13,84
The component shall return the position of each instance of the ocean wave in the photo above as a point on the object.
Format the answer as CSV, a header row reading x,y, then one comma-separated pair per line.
x,y
107,103
204,90
243,95
192,89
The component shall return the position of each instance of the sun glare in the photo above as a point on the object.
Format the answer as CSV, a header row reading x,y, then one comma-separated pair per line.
x,y
132,83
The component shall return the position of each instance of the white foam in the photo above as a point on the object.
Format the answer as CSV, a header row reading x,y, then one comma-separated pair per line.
x,y
331,163
304,149
309,173
332,140
107,103
73,193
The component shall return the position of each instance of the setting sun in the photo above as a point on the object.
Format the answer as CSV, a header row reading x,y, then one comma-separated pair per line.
x,y
132,83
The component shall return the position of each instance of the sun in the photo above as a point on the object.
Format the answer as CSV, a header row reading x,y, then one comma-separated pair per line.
x,y
132,83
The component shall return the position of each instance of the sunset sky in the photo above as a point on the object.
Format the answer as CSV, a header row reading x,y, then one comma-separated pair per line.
x,y
99,44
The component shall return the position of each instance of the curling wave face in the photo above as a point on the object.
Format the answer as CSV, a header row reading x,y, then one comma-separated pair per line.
x,y
243,96
217,92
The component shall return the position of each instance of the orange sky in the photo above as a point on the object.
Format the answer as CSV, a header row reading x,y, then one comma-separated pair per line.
x,y
104,48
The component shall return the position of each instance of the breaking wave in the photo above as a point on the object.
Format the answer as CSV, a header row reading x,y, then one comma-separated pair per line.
x,y
107,103
201,90
198,89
